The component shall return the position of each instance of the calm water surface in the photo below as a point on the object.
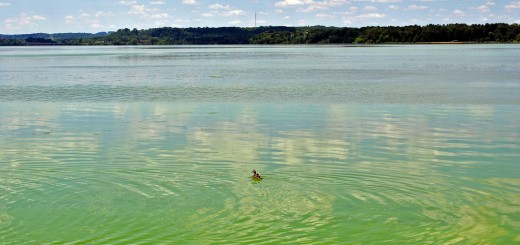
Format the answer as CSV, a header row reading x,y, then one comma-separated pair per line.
x,y
357,145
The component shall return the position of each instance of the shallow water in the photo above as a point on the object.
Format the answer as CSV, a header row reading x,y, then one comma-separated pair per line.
x,y
361,145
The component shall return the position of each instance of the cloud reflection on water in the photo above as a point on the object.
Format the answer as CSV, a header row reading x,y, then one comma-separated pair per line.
x,y
326,166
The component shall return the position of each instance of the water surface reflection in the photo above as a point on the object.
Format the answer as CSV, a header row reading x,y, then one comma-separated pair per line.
x,y
116,172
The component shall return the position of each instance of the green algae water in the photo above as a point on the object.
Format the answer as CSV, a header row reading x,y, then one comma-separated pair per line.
x,y
357,145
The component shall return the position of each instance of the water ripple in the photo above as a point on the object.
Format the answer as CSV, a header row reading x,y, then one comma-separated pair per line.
x,y
180,173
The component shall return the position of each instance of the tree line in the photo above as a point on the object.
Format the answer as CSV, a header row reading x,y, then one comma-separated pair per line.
x,y
478,33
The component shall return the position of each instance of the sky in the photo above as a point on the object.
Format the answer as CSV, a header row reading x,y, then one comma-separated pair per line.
x,y
57,16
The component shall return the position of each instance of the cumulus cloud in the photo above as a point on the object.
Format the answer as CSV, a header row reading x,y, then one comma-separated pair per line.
x,y
189,2
157,2
91,20
219,6
486,7
23,21
38,17
310,5
286,3
371,16
69,19
370,8
314,6
138,10
459,12
418,7
512,6
362,18
159,16
145,13
127,2
224,10
325,16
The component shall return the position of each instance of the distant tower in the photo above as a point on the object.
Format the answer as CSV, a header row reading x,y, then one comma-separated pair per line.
x,y
255,19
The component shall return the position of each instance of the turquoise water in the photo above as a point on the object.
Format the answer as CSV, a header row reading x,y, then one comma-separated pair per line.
x,y
357,145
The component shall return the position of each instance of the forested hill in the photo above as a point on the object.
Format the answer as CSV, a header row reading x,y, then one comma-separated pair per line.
x,y
499,32
48,38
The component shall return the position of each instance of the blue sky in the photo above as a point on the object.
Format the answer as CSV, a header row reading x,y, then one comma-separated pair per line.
x,y
52,16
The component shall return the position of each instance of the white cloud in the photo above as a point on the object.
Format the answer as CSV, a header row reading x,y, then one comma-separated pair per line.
x,y
157,2
235,12
459,12
512,6
128,2
224,10
23,21
138,10
5,4
325,16
394,7
38,17
315,6
371,16
189,2
286,3
307,6
69,19
143,12
159,16
219,6
417,7
370,8
362,18
92,20
339,2
484,8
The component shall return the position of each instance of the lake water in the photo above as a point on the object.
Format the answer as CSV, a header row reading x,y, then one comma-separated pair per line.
x,y
357,144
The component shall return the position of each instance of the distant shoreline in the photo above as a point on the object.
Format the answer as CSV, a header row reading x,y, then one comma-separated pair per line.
x,y
429,34
310,44
248,44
